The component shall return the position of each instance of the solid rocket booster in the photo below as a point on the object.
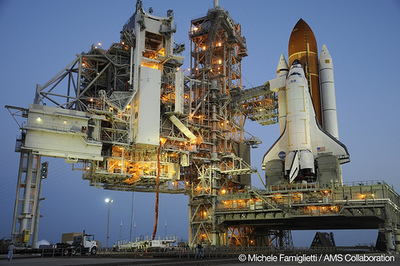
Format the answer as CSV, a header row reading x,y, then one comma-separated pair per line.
x,y
303,46
328,93
281,73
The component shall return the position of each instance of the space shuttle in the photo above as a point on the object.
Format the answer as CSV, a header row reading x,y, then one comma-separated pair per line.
x,y
308,149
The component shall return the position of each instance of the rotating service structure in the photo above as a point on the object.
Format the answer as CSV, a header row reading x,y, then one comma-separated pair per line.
x,y
104,125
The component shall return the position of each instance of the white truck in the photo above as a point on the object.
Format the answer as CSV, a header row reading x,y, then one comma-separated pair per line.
x,y
84,244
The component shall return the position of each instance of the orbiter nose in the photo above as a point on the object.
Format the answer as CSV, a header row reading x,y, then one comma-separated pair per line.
x,y
296,62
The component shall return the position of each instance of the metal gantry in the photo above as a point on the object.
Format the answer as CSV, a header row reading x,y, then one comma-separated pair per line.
x,y
95,113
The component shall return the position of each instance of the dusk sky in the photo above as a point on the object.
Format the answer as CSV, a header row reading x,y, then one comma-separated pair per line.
x,y
39,38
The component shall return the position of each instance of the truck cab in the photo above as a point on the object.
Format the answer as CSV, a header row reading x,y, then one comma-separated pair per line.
x,y
84,244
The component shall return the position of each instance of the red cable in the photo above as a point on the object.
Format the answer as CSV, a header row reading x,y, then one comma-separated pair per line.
x,y
157,194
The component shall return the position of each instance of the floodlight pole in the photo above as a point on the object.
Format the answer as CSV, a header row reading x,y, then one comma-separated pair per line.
x,y
108,220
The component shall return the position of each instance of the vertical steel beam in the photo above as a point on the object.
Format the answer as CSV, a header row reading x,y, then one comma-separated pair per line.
x,y
35,232
26,204
397,240
27,195
14,231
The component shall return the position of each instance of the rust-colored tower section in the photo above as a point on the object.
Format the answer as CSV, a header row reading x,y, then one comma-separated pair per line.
x,y
303,46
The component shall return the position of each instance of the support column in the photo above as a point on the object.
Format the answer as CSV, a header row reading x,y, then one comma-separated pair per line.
x,y
14,231
385,237
25,213
214,235
26,198
397,240
389,240
280,239
190,235
35,232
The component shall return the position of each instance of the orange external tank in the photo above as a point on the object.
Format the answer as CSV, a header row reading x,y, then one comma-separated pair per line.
x,y
303,46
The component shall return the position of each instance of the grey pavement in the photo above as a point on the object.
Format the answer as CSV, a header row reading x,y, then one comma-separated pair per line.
x,y
62,261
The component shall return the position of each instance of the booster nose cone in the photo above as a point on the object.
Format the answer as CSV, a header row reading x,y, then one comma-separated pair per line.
x,y
325,57
282,65
324,50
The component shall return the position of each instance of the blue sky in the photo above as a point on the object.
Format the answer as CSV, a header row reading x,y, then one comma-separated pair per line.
x,y
39,38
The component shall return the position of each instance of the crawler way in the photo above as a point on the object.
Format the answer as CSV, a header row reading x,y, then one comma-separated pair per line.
x,y
62,261
115,261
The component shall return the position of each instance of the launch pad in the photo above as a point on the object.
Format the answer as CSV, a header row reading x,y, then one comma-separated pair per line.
x,y
131,120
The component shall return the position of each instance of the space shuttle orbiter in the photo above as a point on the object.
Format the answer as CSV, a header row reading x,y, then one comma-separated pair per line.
x,y
306,151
